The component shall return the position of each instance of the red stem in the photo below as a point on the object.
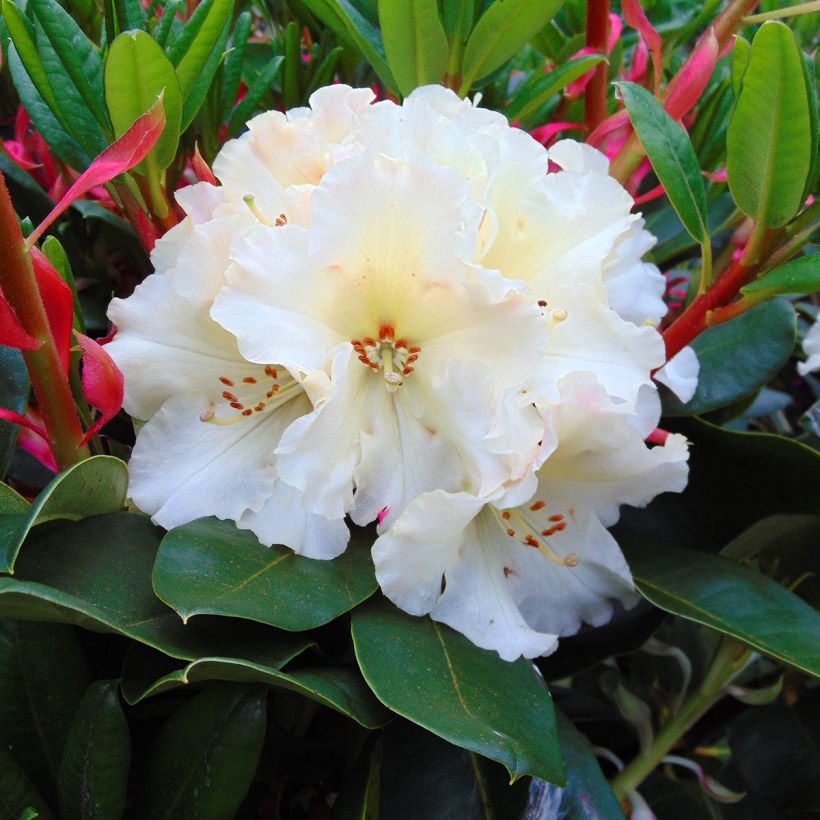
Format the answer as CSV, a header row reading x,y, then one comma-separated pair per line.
x,y
694,319
597,39
51,388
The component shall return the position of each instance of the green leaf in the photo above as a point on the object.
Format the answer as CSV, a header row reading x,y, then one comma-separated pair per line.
x,y
205,756
52,130
359,795
540,87
258,88
814,126
43,675
435,677
324,72
730,598
14,388
350,26
166,23
136,73
76,53
93,776
672,156
197,51
446,781
587,795
342,689
232,74
500,32
17,794
292,66
738,356
801,275
211,567
740,62
720,495
769,140
96,574
95,486
414,41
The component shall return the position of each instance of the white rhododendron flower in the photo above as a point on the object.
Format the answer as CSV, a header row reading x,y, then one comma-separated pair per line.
x,y
516,579
413,314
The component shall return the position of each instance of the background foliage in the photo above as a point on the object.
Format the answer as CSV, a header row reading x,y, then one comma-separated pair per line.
x,y
197,674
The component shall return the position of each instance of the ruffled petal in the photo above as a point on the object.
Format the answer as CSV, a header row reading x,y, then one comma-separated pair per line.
x,y
680,373
811,347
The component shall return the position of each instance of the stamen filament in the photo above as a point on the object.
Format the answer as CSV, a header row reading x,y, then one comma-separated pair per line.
x,y
250,201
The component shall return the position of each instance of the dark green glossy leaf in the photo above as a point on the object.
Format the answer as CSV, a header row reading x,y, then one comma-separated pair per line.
x,y
76,53
14,387
738,356
810,78
730,598
587,795
769,141
96,573
776,758
446,781
232,74
211,567
53,131
256,90
801,275
342,689
168,21
136,72
720,497
43,675
540,87
414,41
673,159
503,28
204,758
17,794
92,487
197,51
350,26
292,65
93,776
435,677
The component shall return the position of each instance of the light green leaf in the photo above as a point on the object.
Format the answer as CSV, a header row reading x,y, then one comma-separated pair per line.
x,y
540,87
500,32
93,776
211,567
769,140
197,51
136,73
672,156
92,487
205,756
342,689
733,599
740,61
342,17
414,41
801,275
436,678
738,356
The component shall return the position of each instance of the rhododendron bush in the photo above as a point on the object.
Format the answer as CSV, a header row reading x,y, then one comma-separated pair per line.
x,y
409,409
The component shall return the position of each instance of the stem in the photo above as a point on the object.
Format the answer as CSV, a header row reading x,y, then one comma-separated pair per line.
x,y
705,265
597,37
50,383
729,659
694,319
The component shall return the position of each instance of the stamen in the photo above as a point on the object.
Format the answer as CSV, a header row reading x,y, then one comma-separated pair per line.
x,y
506,515
556,517
559,315
250,201
226,381
542,303
249,380
281,220
537,506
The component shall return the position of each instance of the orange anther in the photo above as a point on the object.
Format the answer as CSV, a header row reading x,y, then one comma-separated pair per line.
x,y
542,303
271,371
400,343
537,506
363,359
414,350
225,380
561,526
355,343
369,341
237,405
530,541
249,380
510,532
229,396
260,406
557,517
506,515
407,371
412,358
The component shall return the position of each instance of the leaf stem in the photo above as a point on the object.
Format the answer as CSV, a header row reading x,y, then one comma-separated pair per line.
x,y
729,659
597,37
51,388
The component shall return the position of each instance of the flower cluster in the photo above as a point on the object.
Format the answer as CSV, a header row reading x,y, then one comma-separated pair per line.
x,y
417,315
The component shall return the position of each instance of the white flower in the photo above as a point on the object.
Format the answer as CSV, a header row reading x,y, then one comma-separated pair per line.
x,y
517,579
811,347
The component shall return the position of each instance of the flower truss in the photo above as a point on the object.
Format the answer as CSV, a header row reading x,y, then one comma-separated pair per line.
x,y
418,315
